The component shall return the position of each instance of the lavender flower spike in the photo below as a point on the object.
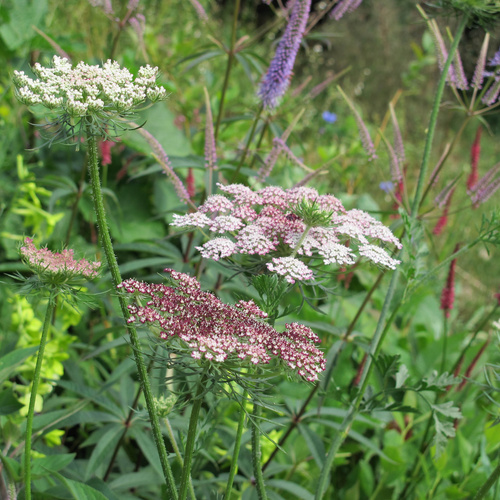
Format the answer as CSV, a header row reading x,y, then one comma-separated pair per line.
x,y
485,187
363,131
164,161
477,79
342,7
276,81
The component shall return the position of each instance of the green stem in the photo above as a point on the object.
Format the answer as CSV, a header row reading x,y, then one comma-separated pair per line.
x,y
230,59
177,451
488,484
297,418
236,451
191,437
375,345
105,240
257,454
249,141
34,389
259,142
380,331
445,343
433,119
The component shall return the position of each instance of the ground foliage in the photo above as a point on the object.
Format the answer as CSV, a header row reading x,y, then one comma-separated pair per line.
x,y
424,425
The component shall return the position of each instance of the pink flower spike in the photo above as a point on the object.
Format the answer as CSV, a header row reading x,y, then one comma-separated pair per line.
x,y
448,293
474,159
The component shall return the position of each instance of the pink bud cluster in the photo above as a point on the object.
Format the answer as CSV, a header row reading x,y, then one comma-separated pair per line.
x,y
268,223
45,261
217,332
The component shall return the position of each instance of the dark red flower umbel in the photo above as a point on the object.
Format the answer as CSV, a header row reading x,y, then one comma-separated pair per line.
x,y
216,332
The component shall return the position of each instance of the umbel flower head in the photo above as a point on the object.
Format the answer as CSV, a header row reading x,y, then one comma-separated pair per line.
x,y
99,93
284,228
55,267
216,332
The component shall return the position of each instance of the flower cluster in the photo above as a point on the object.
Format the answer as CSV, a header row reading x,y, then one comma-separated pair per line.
x,y
88,90
276,81
60,266
217,332
285,225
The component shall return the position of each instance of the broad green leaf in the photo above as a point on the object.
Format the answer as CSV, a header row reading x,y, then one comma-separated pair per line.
x,y
12,468
314,444
401,376
82,491
147,476
23,14
148,448
154,262
93,395
103,452
290,487
8,402
51,463
13,359
160,123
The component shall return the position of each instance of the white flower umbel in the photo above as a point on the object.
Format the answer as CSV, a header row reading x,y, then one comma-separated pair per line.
x,y
101,92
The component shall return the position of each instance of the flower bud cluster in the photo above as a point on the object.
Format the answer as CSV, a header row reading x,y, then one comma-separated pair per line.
x,y
85,89
288,227
60,266
216,332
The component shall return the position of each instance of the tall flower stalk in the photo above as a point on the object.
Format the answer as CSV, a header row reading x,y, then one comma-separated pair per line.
x,y
88,101
105,240
34,390
382,325
57,272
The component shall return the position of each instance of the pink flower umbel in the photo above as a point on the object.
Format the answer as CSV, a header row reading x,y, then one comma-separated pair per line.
x,y
288,230
58,266
216,332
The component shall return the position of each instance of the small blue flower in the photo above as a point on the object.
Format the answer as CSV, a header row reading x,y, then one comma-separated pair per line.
x,y
329,117
386,186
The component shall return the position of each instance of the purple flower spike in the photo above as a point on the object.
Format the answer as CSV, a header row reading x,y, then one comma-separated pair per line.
x,y
276,81
343,7
477,79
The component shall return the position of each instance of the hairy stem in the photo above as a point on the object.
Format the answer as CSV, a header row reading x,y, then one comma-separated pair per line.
x,y
257,454
191,437
237,444
34,389
105,240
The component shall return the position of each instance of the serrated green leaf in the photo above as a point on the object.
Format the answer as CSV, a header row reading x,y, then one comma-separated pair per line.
x,y
447,409
401,376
